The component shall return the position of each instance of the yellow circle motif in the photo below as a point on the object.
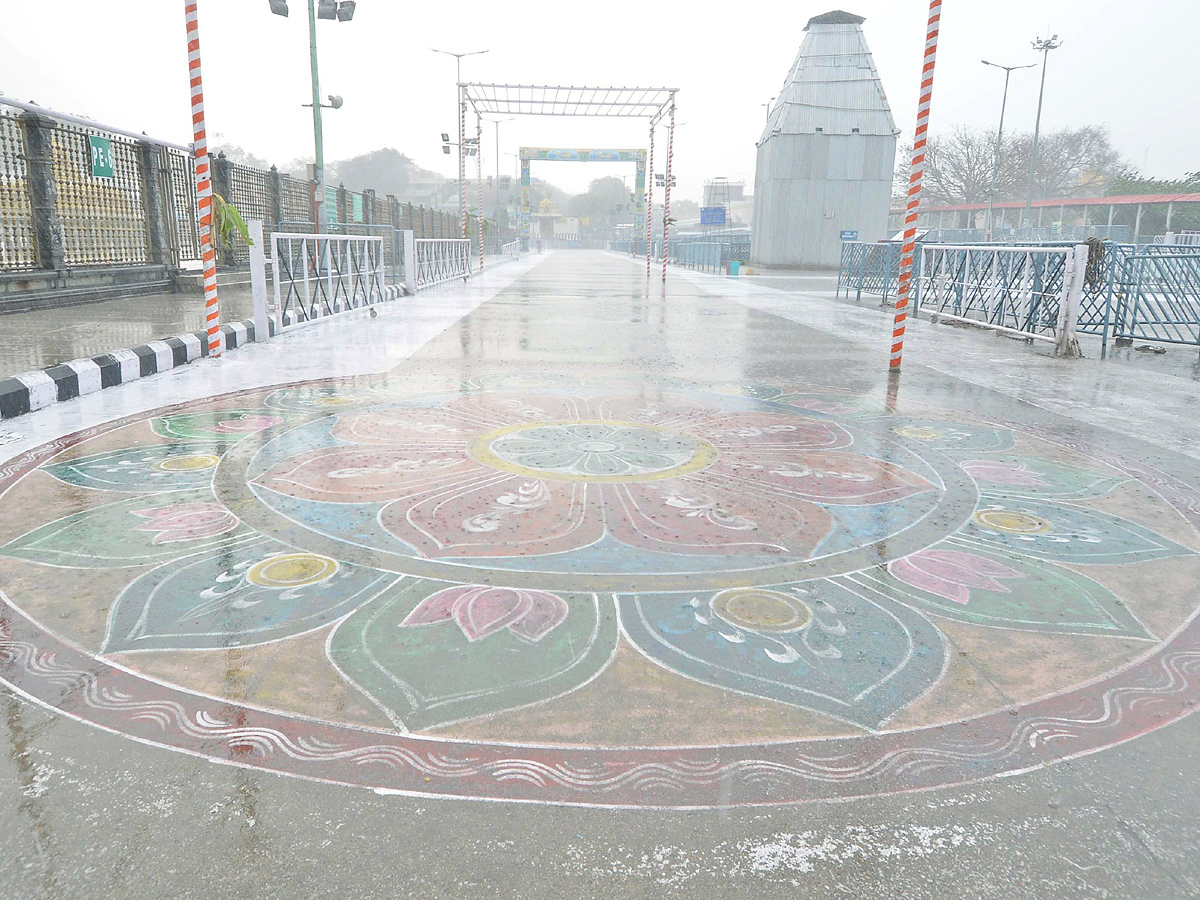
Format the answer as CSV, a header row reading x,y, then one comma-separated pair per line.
x,y
918,432
1011,521
761,610
291,570
192,463
337,400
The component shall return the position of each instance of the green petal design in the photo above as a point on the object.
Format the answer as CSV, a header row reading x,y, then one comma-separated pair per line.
x,y
220,425
125,534
425,660
1060,532
1004,590
1022,476
247,592
843,653
158,467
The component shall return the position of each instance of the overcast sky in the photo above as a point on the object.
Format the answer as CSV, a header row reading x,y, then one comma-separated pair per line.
x,y
1131,66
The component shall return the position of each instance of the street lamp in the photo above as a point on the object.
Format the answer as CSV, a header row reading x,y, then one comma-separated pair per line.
x,y
1008,70
326,9
1043,47
496,208
461,110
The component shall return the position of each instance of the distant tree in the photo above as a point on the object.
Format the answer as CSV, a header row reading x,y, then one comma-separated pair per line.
x,y
1072,162
237,154
1186,217
685,210
386,171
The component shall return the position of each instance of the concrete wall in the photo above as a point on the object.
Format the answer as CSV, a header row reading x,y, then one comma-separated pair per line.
x,y
808,188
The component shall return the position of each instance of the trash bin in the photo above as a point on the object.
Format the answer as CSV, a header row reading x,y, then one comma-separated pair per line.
x,y
735,266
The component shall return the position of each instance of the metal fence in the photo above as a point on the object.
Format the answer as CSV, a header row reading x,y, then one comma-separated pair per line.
x,y
319,275
57,211
512,249
441,259
1033,291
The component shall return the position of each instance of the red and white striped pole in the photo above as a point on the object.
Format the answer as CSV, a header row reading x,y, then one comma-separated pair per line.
x,y
650,204
208,250
462,163
915,178
479,179
667,192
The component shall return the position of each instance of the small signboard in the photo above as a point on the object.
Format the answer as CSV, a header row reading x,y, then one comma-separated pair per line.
x,y
103,165
712,215
849,235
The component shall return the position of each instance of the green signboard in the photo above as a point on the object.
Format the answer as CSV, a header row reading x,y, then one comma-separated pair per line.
x,y
356,213
103,165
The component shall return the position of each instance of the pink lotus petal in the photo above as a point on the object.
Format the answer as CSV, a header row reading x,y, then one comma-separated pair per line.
x,y
951,573
437,607
999,472
486,610
186,522
546,613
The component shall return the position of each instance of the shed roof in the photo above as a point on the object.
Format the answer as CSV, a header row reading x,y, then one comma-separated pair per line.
x,y
835,17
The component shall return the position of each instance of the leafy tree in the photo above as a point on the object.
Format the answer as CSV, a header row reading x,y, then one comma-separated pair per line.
x,y
237,154
1154,218
1072,162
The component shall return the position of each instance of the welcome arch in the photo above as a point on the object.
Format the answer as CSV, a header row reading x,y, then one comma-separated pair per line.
x,y
589,154
654,104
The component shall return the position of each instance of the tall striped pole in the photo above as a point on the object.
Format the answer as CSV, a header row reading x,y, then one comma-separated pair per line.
x,y
650,206
915,178
667,190
208,251
479,179
462,163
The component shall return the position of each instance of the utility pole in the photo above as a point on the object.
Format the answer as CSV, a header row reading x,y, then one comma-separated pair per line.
x,y
496,208
318,138
1008,70
1043,47
461,115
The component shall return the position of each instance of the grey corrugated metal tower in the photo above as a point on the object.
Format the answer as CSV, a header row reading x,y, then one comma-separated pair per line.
x,y
826,157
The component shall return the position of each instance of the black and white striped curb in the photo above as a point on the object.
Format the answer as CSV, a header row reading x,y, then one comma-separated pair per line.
x,y
40,388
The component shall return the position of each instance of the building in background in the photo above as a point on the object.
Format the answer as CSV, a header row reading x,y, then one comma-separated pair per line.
x,y
826,156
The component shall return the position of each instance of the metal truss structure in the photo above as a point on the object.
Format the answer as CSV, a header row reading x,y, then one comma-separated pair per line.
x,y
654,104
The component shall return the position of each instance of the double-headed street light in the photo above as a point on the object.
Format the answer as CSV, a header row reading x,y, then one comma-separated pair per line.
x,y
496,208
1008,70
319,9
461,111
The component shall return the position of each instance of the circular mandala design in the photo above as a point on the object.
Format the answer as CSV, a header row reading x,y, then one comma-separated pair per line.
x,y
472,561
592,451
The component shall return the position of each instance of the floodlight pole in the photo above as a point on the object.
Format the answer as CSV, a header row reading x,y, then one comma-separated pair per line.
x,y
318,136
1051,43
1008,70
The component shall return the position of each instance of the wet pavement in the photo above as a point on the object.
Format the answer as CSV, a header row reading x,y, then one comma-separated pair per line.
x,y
656,575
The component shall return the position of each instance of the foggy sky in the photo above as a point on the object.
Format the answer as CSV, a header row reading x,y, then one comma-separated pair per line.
x,y
1129,66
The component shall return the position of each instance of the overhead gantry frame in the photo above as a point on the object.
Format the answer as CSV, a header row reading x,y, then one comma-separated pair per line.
x,y
654,104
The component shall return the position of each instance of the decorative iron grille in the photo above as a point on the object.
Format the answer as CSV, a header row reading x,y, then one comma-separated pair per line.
x,y
18,237
186,228
296,200
103,219
251,194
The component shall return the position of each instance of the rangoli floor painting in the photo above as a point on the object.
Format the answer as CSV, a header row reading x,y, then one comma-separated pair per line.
x,y
616,591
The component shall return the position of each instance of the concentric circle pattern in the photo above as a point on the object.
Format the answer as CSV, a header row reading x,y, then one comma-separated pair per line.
x,y
639,592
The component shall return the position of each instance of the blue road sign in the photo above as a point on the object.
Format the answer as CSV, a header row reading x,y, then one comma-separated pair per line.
x,y
849,235
712,215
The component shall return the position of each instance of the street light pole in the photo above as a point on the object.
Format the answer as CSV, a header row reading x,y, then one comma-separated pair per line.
x,y
1043,47
496,208
318,137
461,110
1008,70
